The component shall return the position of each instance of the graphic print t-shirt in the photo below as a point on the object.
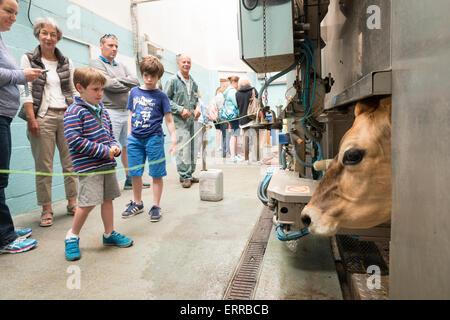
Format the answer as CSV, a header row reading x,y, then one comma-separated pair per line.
x,y
148,108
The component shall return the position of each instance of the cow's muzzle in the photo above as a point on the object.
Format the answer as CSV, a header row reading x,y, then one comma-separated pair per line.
x,y
315,222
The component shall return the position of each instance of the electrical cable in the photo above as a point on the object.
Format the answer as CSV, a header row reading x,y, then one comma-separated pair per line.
x,y
29,11
282,236
272,79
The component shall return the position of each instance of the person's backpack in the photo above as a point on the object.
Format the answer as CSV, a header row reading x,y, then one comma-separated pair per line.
x,y
229,110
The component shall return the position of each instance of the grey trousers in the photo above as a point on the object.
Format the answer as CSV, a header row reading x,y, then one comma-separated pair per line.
x,y
185,157
51,134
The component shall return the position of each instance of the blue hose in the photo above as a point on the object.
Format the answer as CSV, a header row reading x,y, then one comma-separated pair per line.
x,y
282,236
308,51
283,159
268,82
264,184
304,164
262,188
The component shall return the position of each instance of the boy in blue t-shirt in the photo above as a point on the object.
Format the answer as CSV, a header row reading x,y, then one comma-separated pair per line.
x,y
148,106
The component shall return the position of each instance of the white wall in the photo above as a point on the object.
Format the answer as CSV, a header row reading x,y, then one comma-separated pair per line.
x,y
116,11
204,29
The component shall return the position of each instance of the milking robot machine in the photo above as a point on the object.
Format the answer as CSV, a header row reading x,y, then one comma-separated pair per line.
x,y
282,38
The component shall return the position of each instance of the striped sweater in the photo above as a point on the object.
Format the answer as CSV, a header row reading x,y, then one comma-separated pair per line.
x,y
89,137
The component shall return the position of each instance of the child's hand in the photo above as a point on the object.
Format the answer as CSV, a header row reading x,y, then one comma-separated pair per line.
x,y
117,150
114,151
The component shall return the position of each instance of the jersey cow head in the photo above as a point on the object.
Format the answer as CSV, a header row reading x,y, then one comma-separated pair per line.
x,y
355,191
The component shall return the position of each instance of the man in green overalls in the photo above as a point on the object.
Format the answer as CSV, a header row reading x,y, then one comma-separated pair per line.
x,y
182,91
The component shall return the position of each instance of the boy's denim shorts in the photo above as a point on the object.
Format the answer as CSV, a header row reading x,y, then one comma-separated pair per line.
x,y
151,149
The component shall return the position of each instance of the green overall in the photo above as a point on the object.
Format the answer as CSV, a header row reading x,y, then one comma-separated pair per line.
x,y
178,96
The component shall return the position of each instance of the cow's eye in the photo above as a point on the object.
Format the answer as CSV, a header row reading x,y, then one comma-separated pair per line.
x,y
353,156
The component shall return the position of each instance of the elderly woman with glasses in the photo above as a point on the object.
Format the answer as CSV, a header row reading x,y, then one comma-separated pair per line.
x,y
43,108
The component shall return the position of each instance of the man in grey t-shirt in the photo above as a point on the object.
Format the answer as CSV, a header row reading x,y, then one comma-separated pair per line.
x,y
115,97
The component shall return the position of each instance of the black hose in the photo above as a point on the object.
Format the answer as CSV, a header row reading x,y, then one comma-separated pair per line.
x,y
308,133
316,124
268,82
29,9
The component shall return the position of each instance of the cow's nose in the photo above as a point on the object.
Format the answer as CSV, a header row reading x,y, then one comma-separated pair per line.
x,y
306,220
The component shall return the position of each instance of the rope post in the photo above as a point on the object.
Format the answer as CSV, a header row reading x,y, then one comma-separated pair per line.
x,y
204,144
246,144
257,146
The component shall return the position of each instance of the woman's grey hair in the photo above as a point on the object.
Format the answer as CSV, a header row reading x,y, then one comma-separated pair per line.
x,y
42,22
244,81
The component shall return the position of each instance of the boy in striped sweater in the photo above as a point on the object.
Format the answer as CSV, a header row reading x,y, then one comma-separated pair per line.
x,y
92,146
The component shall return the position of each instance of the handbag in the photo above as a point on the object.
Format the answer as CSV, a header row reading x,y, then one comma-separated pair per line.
x,y
253,106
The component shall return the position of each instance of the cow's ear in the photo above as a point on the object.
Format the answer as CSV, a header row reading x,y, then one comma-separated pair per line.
x,y
360,108
366,105
386,105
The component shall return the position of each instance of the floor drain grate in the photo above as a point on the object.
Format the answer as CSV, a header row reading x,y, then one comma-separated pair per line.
x,y
243,284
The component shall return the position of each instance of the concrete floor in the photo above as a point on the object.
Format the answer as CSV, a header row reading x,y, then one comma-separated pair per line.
x,y
190,254
302,269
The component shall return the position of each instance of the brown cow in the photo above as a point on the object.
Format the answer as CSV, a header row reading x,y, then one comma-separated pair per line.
x,y
355,191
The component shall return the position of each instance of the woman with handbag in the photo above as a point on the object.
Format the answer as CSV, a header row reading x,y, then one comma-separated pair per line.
x,y
229,112
245,94
247,101
43,107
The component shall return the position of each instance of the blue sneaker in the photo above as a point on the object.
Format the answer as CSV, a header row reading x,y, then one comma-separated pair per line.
x,y
72,249
155,214
116,239
23,232
133,209
19,245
